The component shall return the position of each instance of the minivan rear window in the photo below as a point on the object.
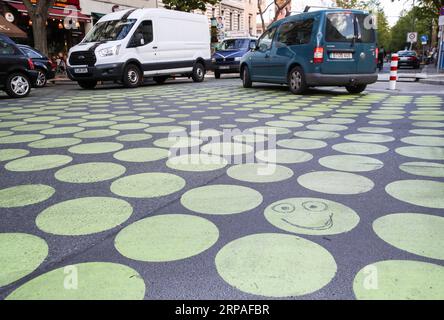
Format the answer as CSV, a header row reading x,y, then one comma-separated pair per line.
x,y
340,27
366,28
294,33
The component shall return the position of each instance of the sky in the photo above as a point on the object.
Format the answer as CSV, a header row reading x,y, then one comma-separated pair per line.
x,y
392,9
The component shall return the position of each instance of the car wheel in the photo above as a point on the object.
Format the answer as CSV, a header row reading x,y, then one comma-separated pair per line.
x,y
198,72
160,80
18,85
296,81
41,79
246,78
217,74
132,76
87,84
355,89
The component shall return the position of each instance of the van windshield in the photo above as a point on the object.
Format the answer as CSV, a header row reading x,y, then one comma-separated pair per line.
x,y
366,28
235,44
110,30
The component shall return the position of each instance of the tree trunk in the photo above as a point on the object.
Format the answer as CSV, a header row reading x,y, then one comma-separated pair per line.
x,y
261,14
39,33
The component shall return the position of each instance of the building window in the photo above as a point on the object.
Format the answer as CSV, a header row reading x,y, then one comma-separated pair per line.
x,y
213,12
238,22
231,21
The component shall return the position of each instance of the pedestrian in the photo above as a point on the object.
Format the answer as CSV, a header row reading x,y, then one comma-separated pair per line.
x,y
381,56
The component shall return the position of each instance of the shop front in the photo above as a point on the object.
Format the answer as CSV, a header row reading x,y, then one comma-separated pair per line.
x,y
65,24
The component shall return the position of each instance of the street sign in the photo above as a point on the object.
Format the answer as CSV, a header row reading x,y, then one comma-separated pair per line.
x,y
412,37
441,12
424,39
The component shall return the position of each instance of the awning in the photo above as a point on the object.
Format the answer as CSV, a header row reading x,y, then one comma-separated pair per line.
x,y
54,12
11,30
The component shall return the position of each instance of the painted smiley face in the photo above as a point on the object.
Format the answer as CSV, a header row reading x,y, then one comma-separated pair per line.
x,y
311,216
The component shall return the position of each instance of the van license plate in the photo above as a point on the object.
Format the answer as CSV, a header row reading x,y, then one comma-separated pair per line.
x,y
341,55
81,70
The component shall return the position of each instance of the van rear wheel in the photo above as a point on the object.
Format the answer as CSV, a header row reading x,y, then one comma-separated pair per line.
x,y
132,76
296,81
198,72
355,89
87,84
160,80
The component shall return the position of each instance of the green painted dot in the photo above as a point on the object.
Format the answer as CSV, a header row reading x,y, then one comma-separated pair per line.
x,y
428,169
196,162
147,185
37,163
167,237
84,216
304,144
96,148
21,138
311,216
424,141
221,199
326,127
90,172
206,133
259,173
24,195
95,281
227,149
351,163
275,265
95,124
332,182
128,126
32,127
369,137
269,130
93,134
416,233
165,129
134,137
283,156
314,134
62,130
425,193
336,121
426,153
400,280
375,130
11,154
177,142
250,138
360,148
158,120
141,154
284,124
427,132
20,254
428,124
54,143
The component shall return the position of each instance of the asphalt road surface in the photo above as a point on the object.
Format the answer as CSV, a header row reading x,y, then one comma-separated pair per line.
x,y
213,191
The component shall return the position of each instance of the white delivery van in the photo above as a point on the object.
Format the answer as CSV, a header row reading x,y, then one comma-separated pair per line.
x,y
126,46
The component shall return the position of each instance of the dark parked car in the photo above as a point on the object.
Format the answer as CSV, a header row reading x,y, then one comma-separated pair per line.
x,y
17,71
408,58
42,63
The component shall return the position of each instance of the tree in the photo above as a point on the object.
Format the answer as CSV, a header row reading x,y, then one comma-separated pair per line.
x,y
188,5
280,6
38,14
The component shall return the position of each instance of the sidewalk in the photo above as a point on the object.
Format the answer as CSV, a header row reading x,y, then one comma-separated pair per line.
x,y
428,75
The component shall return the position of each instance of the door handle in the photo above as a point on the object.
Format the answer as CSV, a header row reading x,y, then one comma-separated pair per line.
x,y
267,55
155,47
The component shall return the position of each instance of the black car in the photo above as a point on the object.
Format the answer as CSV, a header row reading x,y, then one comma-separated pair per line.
x,y
42,63
17,71
408,58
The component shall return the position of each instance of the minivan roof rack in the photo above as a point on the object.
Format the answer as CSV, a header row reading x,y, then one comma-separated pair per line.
x,y
307,8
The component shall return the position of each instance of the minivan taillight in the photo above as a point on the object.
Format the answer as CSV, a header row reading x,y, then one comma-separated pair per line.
x,y
377,55
318,56
30,64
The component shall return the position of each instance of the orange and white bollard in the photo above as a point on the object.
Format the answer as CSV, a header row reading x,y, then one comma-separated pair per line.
x,y
394,71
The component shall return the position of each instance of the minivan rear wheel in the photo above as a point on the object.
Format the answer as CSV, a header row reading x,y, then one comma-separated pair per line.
x,y
132,76
87,84
17,85
296,81
246,78
198,72
355,89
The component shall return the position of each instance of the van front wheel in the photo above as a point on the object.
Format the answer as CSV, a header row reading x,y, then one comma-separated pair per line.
x,y
246,78
132,76
198,72
355,89
296,81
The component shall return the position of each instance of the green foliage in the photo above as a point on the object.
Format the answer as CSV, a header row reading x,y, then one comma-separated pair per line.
x,y
188,5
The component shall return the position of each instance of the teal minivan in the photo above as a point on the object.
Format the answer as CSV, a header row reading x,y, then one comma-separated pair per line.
x,y
334,47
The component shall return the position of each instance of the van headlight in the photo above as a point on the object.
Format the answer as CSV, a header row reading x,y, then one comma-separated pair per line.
x,y
111,51
238,59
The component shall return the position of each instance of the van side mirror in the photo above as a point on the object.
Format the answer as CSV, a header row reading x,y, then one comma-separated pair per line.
x,y
252,46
